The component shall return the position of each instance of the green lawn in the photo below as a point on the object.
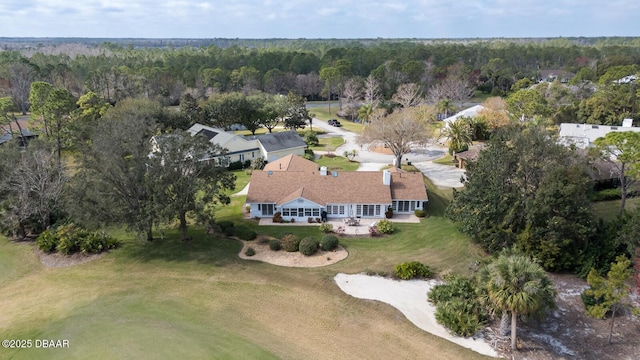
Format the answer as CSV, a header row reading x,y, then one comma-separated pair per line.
x,y
447,159
608,210
329,143
198,299
323,114
337,163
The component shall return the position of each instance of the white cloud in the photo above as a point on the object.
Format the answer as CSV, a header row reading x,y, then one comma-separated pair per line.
x,y
307,18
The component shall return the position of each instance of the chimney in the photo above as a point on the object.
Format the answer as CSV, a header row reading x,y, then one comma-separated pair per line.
x,y
386,177
323,171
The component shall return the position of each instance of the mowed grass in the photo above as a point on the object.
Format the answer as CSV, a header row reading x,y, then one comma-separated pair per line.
x,y
329,143
198,299
608,210
337,163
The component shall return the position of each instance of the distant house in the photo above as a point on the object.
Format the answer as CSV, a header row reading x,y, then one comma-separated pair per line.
x,y
555,75
470,112
10,132
269,147
276,145
464,157
297,189
582,136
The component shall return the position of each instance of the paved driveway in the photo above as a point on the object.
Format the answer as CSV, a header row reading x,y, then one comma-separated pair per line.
x,y
441,175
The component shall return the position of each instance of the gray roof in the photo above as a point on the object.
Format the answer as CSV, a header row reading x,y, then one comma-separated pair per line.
x,y
280,140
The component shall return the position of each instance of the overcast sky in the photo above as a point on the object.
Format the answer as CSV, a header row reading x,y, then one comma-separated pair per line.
x,y
318,19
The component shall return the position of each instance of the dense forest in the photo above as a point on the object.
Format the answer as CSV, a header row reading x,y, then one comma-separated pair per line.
x,y
165,69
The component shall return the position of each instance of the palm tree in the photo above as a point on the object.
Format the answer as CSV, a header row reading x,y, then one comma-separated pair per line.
x,y
364,113
516,284
445,106
459,135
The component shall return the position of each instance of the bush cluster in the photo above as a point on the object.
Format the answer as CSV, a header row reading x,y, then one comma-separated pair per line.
x,y
244,233
274,244
329,242
410,270
326,228
309,155
420,213
308,246
277,217
457,306
385,226
224,225
290,243
70,238
606,194
250,251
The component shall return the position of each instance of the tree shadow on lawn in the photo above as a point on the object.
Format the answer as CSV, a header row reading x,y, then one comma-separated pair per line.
x,y
202,248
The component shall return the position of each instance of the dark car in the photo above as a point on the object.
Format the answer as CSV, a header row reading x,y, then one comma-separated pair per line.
x,y
334,122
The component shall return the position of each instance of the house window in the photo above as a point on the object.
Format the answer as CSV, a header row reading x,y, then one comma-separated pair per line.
x,y
241,157
294,212
267,209
253,154
307,212
316,212
377,210
300,211
405,206
285,211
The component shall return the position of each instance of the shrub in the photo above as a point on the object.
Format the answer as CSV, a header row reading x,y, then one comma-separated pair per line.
x,y
326,228
329,242
47,241
410,270
250,251
318,220
308,246
245,233
420,213
277,217
310,220
385,226
293,220
309,155
389,213
373,231
606,194
70,238
236,165
274,244
230,231
224,225
290,243
457,306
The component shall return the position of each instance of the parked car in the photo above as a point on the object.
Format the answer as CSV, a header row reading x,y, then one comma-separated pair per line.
x,y
334,122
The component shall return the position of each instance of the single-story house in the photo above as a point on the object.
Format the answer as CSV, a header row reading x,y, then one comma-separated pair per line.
x,y
274,146
470,112
464,157
269,147
582,136
11,132
297,189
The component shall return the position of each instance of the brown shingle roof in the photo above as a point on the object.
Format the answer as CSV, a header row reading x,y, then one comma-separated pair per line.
x,y
359,187
291,163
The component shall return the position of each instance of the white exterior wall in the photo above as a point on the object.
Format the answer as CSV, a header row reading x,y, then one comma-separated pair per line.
x,y
275,155
583,135
300,203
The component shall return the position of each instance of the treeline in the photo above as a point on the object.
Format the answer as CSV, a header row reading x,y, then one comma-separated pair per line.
x,y
119,70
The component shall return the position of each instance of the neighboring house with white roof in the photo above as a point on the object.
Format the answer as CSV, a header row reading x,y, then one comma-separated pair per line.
x,y
583,135
470,112
297,189
269,147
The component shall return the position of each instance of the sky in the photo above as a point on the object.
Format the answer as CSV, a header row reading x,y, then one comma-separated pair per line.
x,y
313,19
